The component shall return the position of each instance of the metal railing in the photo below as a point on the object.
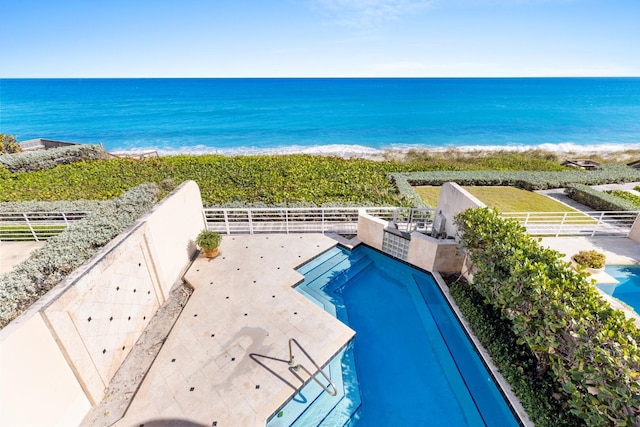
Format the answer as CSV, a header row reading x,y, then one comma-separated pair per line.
x,y
590,224
413,219
339,220
21,226
296,367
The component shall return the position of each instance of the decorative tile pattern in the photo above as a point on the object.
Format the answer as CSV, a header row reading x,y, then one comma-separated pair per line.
x,y
119,306
227,366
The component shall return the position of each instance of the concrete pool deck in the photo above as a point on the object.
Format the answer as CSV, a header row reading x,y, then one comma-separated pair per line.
x,y
13,253
618,250
224,362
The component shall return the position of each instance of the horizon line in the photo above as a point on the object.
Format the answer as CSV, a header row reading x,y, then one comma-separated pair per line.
x,y
318,77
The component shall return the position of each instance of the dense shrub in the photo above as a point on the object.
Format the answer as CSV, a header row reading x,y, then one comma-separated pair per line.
x,y
9,144
598,200
30,161
528,180
592,350
626,195
516,362
62,254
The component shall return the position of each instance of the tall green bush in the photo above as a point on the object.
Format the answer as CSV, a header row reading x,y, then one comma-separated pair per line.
x,y
598,200
9,144
592,350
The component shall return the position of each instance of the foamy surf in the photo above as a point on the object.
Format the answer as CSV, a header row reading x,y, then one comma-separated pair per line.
x,y
351,151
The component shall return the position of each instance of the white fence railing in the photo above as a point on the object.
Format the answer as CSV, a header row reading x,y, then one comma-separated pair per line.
x,y
339,220
42,225
35,225
602,223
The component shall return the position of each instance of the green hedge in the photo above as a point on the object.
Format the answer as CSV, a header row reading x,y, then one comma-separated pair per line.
x,y
63,253
30,161
598,200
626,195
592,350
516,362
528,180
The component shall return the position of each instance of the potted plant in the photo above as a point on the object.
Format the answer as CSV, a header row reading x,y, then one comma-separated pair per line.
x,y
209,242
592,261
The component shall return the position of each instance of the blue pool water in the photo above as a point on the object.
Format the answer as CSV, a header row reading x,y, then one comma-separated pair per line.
x,y
628,288
410,363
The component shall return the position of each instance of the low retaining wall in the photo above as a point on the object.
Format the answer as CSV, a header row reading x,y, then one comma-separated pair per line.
x,y
419,249
59,356
423,251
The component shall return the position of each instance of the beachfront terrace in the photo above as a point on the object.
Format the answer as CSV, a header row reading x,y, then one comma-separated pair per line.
x,y
234,279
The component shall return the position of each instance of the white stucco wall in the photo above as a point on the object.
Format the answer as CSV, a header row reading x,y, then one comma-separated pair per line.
x,y
370,230
433,254
173,226
57,358
635,231
37,385
452,200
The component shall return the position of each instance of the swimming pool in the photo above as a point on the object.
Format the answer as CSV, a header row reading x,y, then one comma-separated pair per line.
x,y
410,362
628,287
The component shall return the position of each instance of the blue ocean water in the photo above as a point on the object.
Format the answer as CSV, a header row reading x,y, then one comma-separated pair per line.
x,y
315,115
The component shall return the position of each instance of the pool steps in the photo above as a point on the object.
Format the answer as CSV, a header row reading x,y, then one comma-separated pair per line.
x,y
324,276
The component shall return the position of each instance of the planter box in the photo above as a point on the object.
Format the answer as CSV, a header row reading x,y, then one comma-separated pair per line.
x,y
589,270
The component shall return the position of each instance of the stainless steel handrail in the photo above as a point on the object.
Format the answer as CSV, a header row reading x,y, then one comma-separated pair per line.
x,y
313,376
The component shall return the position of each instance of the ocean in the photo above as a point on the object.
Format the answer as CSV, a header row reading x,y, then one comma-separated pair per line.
x,y
341,116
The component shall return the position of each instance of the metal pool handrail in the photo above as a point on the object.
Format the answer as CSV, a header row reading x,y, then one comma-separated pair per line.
x,y
313,376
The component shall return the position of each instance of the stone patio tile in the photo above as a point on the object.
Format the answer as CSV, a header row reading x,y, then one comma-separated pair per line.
x,y
230,342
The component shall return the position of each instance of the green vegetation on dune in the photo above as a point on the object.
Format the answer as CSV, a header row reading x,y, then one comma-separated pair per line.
x,y
247,179
243,179
532,160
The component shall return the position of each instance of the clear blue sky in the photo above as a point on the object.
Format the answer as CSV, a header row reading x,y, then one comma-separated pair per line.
x,y
308,38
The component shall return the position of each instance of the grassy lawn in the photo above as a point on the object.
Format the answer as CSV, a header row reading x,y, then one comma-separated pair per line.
x,y
23,232
429,194
505,199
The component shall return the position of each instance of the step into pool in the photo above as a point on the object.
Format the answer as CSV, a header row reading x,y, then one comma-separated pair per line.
x,y
410,362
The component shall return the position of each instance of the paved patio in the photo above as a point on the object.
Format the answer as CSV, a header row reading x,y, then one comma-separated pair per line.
x,y
243,311
13,253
